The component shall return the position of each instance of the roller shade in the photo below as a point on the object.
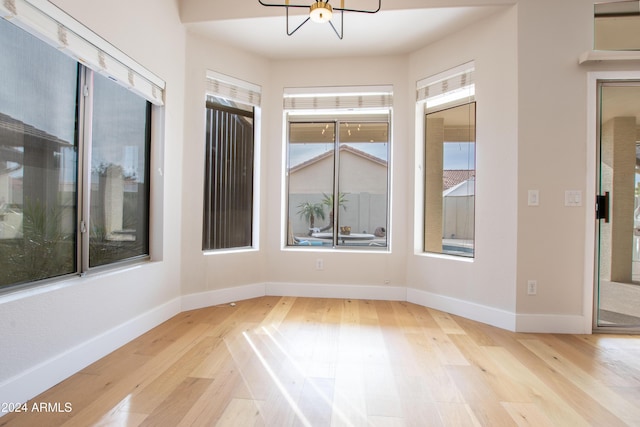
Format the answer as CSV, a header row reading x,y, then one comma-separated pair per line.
x,y
448,86
233,89
340,98
52,25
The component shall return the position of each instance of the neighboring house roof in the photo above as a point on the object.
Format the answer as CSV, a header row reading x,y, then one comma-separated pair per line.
x,y
343,148
453,177
12,135
462,189
12,131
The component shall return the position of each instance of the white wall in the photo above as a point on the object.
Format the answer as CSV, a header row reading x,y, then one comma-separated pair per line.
x,y
554,155
203,273
49,332
340,267
489,279
528,137
206,272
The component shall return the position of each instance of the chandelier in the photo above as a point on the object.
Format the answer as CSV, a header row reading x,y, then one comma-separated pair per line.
x,y
320,12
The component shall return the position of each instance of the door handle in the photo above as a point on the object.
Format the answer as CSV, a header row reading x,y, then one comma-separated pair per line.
x,y
602,207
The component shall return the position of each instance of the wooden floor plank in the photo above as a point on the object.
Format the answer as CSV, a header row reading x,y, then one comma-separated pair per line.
x,y
600,393
240,412
527,414
544,388
177,404
287,361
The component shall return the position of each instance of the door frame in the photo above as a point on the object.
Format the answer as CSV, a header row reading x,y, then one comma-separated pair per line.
x,y
590,268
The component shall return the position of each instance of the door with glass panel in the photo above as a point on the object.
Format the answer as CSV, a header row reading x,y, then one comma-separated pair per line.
x,y
617,281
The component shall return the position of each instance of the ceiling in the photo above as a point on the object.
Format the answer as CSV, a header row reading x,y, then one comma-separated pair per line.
x,y
393,30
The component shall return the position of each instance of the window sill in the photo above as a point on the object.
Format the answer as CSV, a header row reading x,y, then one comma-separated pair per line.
x,y
228,251
593,56
28,290
339,249
446,256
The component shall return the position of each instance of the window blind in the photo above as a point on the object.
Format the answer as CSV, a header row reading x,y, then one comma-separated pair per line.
x,y
458,81
52,25
338,98
233,89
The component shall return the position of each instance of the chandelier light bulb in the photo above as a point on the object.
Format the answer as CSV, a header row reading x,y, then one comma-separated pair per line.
x,y
321,12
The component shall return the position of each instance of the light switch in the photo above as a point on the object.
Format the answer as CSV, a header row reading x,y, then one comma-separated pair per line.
x,y
573,198
533,198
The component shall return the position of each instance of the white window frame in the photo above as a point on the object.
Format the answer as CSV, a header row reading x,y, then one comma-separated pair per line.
x,y
330,104
238,90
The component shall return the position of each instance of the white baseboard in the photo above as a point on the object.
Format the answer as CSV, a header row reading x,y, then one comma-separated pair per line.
x,y
470,310
45,375
314,290
552,324
311,290
532,323
541,323
222,296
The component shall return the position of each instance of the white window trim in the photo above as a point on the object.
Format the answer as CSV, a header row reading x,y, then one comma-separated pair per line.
x,y
448,87
237,90
321,101
233,89
461,81
55,27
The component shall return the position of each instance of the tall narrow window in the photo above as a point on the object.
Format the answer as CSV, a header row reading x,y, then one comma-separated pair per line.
x,y
232,106
228,186
450,173
74,147
338,169
119,216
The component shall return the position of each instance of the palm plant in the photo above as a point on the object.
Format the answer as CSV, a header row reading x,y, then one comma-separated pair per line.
x,y
328,201
309,211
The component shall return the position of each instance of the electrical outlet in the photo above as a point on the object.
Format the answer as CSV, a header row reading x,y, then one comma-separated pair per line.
x,y
532,287
319,264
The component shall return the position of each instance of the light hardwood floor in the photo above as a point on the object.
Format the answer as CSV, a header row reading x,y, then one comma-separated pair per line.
x,y
288,361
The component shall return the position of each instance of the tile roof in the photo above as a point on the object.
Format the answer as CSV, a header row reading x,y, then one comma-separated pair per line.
x,y
453,177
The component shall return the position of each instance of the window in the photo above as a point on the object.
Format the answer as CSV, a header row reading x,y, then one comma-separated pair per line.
x,y
74,156
228,208
228,186
338,171
449,159
119,181
615,25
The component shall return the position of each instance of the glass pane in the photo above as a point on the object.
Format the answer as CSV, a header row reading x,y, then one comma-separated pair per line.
x,y
618,275
37,159
617,25
362,195
119,181
228,187
450,181
310,171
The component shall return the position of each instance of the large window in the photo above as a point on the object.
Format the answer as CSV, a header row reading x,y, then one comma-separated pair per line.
x,y
449,159
232,113
338,180
228,186
38,159
74,163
